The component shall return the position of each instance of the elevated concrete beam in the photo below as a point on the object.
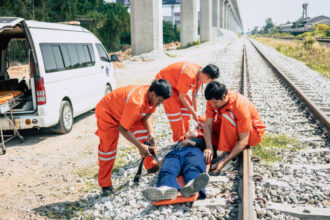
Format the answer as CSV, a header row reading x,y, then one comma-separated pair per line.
x,y
205,20
146,26
222,13
215,13
188,25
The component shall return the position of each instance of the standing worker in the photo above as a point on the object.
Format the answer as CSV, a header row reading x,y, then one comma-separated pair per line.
x,y
237,119
184,76
127,110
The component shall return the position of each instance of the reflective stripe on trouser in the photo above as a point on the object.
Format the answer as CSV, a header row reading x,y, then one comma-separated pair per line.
x,y
229,135
178,115
141,134
107,151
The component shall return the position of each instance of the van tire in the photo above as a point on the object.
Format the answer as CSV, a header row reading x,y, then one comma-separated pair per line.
x,y
65,122
107,90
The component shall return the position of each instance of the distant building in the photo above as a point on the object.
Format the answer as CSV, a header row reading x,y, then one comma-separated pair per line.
x,y
304,24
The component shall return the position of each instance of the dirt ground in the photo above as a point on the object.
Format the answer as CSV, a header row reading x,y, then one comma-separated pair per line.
x,y
50,169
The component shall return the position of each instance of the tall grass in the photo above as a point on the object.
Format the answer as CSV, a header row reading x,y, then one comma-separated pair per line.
x,y
313,54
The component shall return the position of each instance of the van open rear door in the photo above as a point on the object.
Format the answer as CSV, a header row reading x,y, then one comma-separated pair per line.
x,y
9,22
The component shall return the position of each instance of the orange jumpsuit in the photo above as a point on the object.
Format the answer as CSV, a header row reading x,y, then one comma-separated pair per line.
x,y
182,76
125,106
238,116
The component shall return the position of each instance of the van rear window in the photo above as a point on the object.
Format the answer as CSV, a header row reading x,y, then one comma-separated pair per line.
x,y
59,57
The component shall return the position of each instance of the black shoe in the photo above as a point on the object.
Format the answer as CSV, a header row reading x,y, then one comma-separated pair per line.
x,y
107,190
154,169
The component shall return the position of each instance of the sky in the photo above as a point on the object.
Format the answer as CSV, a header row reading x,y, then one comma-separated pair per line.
x,y
255,12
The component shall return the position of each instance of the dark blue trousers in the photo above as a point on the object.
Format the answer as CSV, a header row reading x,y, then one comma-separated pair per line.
x,y
188,161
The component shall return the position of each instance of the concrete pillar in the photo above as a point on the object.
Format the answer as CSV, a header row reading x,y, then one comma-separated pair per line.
x,y
188,22
222,13
146,26
215,13
226,15
206,20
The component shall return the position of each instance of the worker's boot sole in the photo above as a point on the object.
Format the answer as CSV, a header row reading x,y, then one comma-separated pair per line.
x,y
195,185
157,194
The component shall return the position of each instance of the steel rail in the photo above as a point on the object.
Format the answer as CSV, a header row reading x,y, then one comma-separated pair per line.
x,y
322,117
248,212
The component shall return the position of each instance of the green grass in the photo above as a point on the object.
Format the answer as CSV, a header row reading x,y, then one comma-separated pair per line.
x,y
193,43
170,55
314,55
271,144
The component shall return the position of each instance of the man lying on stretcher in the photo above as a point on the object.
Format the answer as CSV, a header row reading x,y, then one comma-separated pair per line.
x,y
186,158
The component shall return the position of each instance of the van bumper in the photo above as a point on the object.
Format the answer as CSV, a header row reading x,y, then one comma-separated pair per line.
x,y
27,122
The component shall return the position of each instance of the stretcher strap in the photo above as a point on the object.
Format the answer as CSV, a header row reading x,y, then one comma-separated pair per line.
x,y
139,172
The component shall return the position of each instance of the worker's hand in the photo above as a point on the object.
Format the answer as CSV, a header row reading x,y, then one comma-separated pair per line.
x,y
195,116
144,150
208,155
218,166
151,138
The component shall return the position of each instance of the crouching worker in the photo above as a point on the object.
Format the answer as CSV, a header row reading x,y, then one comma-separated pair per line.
x,y
234,121
186,158
127,110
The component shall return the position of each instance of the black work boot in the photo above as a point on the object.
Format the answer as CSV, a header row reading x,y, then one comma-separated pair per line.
x,y
106,191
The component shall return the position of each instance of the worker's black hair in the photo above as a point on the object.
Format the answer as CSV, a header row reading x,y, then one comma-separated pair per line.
x,y
161,87
212,71
215,90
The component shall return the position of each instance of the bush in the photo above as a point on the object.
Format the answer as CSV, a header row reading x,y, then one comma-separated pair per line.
x,y
170,33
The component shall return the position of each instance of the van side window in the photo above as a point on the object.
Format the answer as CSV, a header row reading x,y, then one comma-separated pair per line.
x,y
49,59
91,52
58,57
102,53
73,55
66,57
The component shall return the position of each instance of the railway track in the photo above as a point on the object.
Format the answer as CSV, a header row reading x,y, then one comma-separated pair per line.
x,y
296,187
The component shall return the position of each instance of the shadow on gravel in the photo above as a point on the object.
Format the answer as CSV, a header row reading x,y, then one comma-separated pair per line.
x,y
35,136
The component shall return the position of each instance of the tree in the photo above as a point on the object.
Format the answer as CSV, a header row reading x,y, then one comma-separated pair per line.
x,y
269,25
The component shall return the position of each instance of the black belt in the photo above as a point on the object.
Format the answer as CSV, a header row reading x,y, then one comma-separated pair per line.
x,y
139,172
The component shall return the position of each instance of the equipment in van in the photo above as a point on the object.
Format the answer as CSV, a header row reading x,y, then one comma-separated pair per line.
x,y
8,101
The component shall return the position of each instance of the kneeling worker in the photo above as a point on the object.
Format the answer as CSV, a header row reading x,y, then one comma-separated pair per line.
x,y
127,110
237,119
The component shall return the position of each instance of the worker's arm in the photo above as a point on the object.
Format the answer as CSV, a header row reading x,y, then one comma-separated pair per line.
x,y
208,152
194,100
144,149
184,101
148,124
243,139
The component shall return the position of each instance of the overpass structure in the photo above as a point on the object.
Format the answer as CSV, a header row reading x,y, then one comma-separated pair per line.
x,y
147,22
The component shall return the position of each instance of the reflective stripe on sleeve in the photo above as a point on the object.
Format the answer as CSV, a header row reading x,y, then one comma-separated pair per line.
x,y
140,131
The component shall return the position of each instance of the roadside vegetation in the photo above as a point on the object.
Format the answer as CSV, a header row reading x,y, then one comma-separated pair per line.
x,y
312,53
271,144
110,22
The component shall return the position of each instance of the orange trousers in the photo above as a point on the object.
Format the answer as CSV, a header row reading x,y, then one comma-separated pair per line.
x,y
228,135
178,115
107,150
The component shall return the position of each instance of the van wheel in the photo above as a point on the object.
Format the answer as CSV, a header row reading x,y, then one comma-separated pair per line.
x,y
107,90
66,118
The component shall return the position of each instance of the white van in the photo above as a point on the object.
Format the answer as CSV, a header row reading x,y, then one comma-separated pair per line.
x,y
62,71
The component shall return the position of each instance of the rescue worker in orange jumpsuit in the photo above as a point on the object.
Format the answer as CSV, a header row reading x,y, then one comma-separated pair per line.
x,y
184,76
127,110
238,123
